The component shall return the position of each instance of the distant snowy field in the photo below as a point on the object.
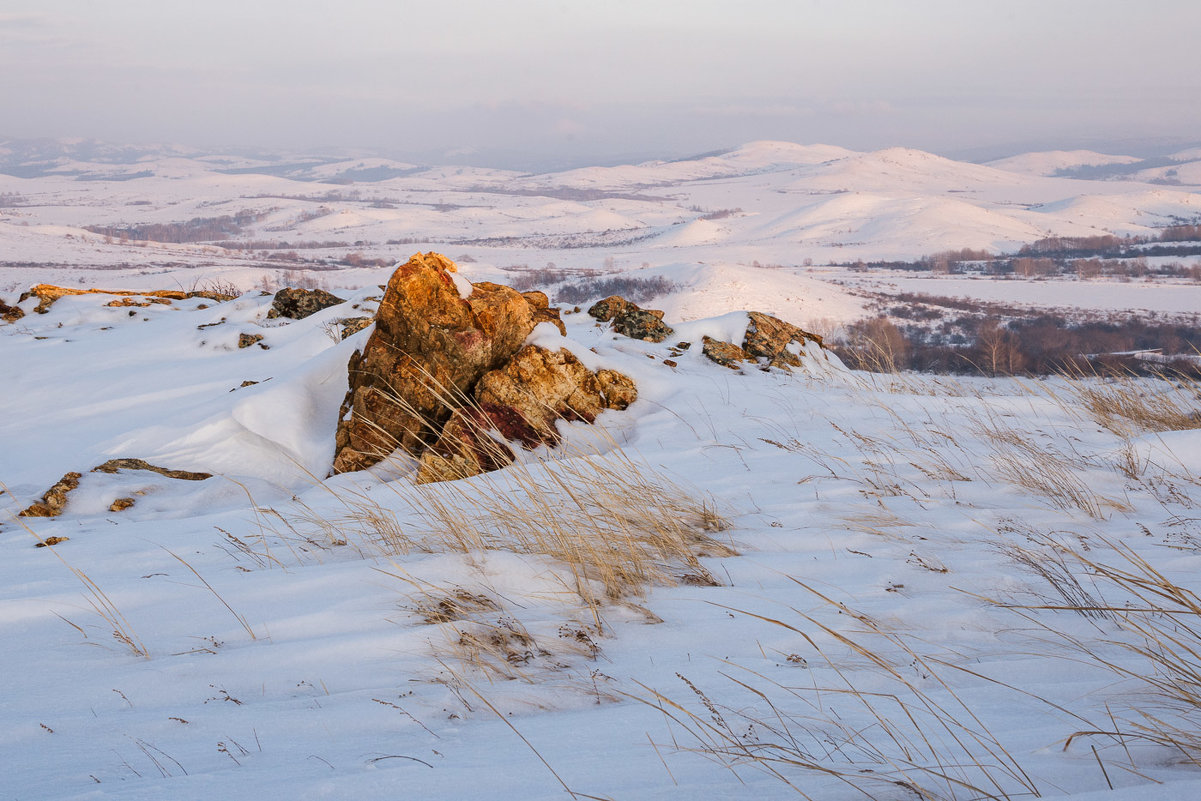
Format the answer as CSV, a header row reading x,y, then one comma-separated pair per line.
x,y
713,217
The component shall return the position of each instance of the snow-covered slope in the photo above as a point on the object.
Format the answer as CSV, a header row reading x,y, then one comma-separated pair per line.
x,y
883,588
1050,162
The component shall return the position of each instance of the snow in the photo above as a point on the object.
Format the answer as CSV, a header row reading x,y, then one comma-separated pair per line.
x,y
288,653
289,619
775,202
1050,162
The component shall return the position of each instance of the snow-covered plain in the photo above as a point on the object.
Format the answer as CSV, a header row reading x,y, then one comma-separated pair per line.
x,y
304,637
775,204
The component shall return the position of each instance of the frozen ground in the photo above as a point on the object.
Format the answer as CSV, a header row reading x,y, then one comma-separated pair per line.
x,y
269,632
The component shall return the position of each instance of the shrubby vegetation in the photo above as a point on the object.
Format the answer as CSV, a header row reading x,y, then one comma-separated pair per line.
x,y
197,229
632,288
1103,255
1033,344
588,284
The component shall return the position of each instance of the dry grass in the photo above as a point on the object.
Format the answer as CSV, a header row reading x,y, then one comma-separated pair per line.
x,y
237,616
1129,405
615,524
99,601
914,735
1037,467
1150,637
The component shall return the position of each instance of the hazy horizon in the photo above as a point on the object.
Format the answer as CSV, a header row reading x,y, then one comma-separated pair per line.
x,y
535,82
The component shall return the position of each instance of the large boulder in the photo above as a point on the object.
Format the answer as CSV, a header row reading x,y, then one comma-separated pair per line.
x,y
429,348
630,320
446,376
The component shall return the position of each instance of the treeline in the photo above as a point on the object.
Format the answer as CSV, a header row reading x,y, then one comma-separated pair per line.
x,y
197,229
1085,257
1038,345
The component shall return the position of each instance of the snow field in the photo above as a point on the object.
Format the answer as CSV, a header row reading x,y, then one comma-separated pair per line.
x,y
852,572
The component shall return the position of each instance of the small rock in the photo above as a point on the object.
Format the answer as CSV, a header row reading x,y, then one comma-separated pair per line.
x,y
121,504
353,325
630,320
52,503
10,314
669,362
51,541
297,304
724,353
246,340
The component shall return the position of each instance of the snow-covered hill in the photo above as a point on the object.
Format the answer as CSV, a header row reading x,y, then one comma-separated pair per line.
x,y
1054,161
978,588
768,201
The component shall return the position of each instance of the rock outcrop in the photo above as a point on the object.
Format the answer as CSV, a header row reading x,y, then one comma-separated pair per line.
x,y
350,326
296,304
776,341
724,353
55,499
10,314
429,348
630,320
521,402
543,311
47,294
446,377
768,340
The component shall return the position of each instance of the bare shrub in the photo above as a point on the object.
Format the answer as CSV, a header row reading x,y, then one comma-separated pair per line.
x,y
633,288
876,345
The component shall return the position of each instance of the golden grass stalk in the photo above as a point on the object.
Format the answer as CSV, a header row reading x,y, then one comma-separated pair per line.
x,y
97,599
926,742
1035,467
1148,616
614,523
1129,405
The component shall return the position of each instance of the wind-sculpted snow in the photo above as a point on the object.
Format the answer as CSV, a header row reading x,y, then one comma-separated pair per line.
x,y
738,570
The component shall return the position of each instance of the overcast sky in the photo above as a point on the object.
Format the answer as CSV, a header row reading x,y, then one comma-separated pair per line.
x,y
579,80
